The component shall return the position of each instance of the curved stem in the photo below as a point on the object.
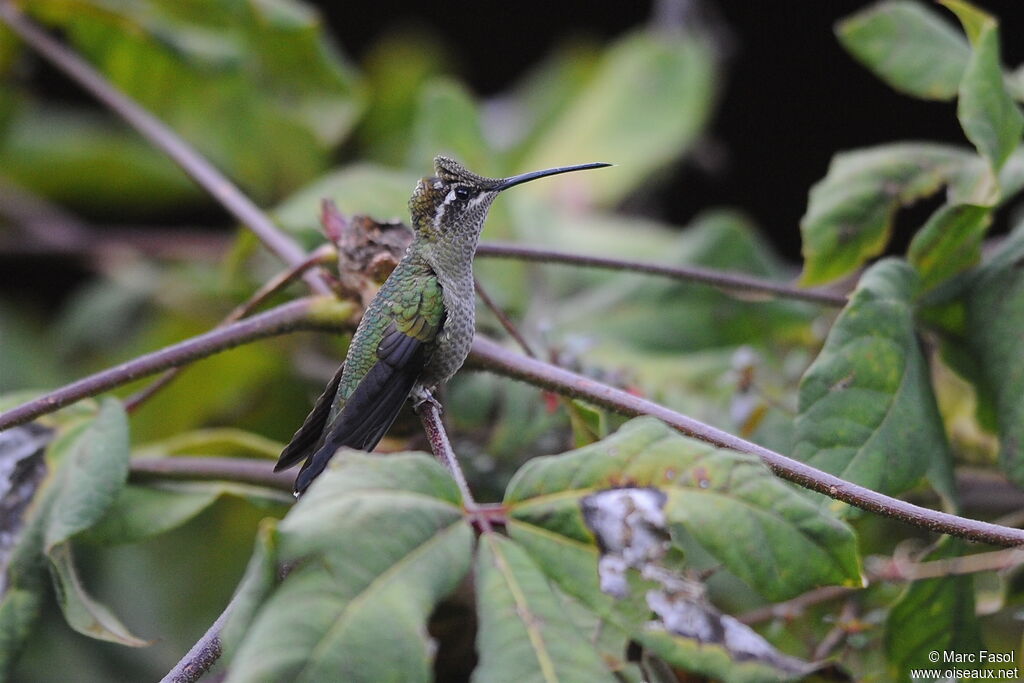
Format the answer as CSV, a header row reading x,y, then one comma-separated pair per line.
x,y
207,650
163,138
737,282
489,355
301,314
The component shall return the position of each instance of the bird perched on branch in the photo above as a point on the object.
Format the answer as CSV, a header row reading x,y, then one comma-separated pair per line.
x,y
417,331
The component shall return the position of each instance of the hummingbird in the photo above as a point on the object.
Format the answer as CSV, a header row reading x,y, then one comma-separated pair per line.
x,y
418,329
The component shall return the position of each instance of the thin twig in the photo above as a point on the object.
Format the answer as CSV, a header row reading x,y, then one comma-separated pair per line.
x,y
503,318
307,313
207,650
163,138
790,609
430,416
276,283
491,356
894,569
737,282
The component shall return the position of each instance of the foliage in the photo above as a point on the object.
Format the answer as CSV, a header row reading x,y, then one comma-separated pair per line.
x,y
632,553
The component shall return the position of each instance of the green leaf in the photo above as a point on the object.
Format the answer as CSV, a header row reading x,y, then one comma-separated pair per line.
x,y
589,423
227,75
524,635
447,122
93,469
649,98
866,409
775,539
223,442
949,243
363,189
933,615
987,112
85,160
850,212
374,545
908,46
82,612
141,512
994,320
656,314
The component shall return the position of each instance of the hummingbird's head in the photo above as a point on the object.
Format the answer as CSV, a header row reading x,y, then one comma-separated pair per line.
x,y
452,205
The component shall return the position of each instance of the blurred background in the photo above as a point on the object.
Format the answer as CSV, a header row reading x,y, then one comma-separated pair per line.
x,y
720,116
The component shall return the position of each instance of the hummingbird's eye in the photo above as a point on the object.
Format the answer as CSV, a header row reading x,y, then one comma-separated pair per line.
x,y
461,193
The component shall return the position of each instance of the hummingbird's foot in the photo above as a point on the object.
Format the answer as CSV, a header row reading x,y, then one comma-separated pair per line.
x,y
421,395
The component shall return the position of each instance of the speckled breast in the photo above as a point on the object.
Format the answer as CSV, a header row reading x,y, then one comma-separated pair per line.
x,y
456,336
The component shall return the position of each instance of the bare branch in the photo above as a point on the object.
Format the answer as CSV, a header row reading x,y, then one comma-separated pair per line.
x,y
203,468
324,313
735,282
491,356
203,654
162,137
430,416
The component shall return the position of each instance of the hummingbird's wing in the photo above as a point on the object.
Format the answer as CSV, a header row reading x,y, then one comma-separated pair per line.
x,y
403,351
305,440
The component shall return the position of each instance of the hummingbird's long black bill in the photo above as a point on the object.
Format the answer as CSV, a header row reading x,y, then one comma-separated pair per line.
x,y
533,175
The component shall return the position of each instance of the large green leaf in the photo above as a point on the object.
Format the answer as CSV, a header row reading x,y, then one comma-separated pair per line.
x,y
648,99
850,212
867,412
254,84
993,324
373,545
949,243
933,615
908,46
524,635
987,112
572,565
775,539
141,512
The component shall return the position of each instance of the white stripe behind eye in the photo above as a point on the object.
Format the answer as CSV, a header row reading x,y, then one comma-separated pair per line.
x,y
441,208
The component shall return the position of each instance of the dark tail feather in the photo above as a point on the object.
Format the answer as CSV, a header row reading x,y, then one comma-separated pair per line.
x,y
368,413
305,440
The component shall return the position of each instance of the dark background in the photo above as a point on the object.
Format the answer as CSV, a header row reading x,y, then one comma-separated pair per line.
x,y
791,97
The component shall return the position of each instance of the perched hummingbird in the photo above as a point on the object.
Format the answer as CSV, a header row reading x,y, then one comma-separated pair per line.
x,y
417,331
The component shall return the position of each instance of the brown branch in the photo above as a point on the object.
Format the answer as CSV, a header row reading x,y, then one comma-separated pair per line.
x,y
204,654
734,282
202,468
430,416
162,137
325,313
489,355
